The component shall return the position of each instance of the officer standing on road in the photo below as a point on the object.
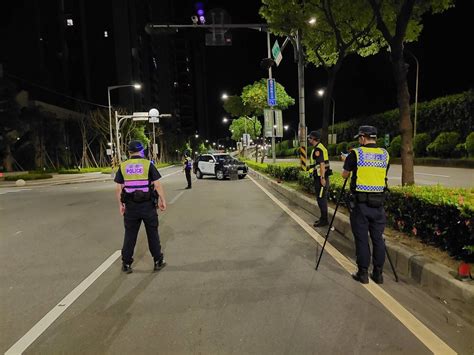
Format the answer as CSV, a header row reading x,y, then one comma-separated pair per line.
x,y
188,164
139,193
319,166
369,166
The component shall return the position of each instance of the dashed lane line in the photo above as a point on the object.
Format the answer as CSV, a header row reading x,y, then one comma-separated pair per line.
x,y
21,345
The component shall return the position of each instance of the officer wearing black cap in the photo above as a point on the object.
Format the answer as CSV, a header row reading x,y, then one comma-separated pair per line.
x,y
137,192
369,166
188,165
319,167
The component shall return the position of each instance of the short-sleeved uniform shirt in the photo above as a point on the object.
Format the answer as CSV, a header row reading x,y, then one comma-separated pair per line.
x,y
350,164
153,174
318,155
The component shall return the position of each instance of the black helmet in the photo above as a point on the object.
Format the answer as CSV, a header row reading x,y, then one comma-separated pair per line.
x,y
315,135
368,131
135,146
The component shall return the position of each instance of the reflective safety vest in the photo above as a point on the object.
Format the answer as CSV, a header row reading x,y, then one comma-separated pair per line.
x,y
371,169
188,163
325,157
135,174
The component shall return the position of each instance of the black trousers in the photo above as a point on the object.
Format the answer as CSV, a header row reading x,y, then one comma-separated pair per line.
x,y
367,220
134,214
322,196
188,176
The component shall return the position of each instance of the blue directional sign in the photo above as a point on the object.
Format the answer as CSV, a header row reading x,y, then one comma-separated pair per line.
x,y
271,92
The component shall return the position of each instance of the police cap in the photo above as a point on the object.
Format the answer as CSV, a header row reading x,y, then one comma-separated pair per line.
x,y
368,131
135,146
315,135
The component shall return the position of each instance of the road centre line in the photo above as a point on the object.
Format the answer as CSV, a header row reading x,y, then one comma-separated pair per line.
x,y
24,342
445,176
417,328
176,197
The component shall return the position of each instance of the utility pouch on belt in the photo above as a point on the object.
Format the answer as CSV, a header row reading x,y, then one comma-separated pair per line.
x,y
136,196
371,199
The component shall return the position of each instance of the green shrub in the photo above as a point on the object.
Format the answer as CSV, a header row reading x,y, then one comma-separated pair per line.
x,y
352,145
341,148
470,144
460,151
30,176
395,147
380,142
444,145
332,149
420,142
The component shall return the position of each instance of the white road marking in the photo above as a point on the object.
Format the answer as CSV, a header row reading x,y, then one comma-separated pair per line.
x,y
12,190
22,344
417,328
445,176
164,176
176,197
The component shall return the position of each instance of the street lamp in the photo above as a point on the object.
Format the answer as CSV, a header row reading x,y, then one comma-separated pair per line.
x,y
225,120
136,86
312,21
287,127
224,96
321,93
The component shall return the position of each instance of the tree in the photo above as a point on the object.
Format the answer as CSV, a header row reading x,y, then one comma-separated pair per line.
x,y
400,22
236,108
254,96
342,28
243,125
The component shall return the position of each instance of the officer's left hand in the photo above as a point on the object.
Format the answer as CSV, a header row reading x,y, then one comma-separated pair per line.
x,y
161,205
323,181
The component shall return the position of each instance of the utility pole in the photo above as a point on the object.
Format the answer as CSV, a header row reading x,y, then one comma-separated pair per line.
x,y
269,54
302,124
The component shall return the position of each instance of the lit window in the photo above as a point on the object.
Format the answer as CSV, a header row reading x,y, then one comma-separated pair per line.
x,y
70,22
106,34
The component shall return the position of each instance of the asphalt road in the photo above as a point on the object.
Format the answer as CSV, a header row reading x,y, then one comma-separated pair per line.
x,y
240,279
424,175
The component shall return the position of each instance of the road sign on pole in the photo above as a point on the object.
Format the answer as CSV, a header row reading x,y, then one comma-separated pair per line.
x,y
268,122
278,123
276,52
271,92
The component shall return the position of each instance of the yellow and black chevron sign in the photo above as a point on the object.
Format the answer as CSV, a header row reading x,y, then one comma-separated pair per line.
x,y
303,158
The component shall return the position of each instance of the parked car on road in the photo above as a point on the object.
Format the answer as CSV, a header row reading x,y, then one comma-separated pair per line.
x,y
219,165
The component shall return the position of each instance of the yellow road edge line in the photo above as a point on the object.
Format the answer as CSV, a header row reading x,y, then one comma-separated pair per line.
x,y
416,327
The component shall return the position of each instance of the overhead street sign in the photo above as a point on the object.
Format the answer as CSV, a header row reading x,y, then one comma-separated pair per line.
x,y
271,92
276,52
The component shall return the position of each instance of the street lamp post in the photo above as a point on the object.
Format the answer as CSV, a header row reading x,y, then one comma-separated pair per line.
x,y
109,89
321,93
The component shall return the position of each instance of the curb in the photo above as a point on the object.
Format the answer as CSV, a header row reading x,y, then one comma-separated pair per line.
x,y
436,279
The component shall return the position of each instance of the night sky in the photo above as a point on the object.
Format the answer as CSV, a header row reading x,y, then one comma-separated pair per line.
x,y
364,85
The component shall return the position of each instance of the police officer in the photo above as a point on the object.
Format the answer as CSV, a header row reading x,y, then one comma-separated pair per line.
x,y
139,193
319,166
369,166
188,164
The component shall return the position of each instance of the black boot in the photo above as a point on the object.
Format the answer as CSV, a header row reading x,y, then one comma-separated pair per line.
x,y
377,276
362,276
321,223
160,263
127,268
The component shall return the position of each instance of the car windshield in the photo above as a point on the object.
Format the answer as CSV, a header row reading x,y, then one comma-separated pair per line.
x,y
224,157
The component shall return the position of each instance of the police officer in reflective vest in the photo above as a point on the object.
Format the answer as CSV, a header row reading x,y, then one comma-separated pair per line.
x,y
319,167
188,164
369,166
139,194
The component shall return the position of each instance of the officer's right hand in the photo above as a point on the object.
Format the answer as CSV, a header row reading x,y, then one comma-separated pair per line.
x,y
162,205
122,208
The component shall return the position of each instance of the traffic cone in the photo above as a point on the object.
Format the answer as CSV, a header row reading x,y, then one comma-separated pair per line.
x,y
464,272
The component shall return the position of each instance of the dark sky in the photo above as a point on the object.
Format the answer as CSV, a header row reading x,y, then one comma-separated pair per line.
x,y
364,85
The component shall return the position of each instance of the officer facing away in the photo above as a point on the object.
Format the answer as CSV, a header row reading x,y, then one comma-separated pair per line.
x,y
139,193
319,167
188,164
369,166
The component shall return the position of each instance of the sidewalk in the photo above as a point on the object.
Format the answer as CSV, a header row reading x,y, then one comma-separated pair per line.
x,y
435,278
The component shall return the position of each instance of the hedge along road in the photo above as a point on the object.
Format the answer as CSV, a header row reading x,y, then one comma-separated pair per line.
x,y
424,175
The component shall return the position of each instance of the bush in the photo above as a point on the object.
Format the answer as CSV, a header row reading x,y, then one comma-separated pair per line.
x,y
380,142
341,148
352,145
459,151
420,142
332,148
444,145
395,147
470,144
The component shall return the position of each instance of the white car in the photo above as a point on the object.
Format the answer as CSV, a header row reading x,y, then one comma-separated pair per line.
x,y
219,165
